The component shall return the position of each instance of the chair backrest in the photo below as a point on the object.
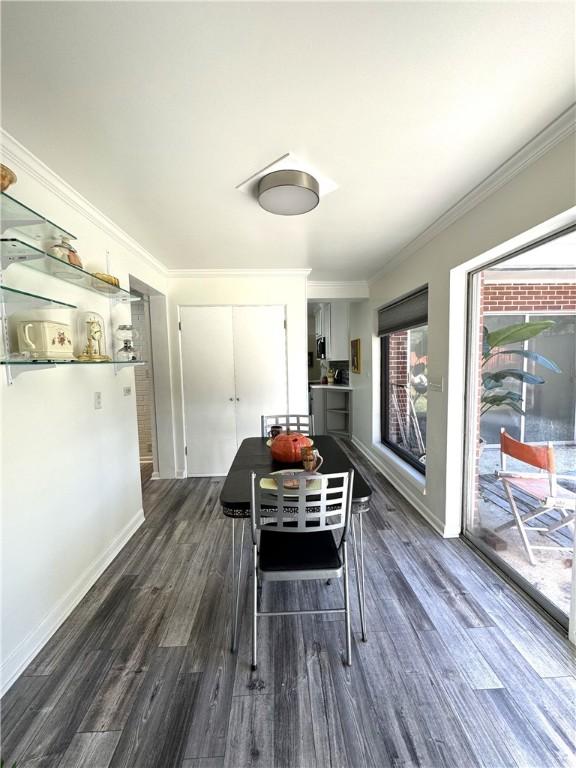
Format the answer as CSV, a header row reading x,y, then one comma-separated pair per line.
x,y
302,502
540,456
303,423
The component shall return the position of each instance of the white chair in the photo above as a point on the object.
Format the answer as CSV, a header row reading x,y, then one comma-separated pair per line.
x,y
293,520
540,487
303,423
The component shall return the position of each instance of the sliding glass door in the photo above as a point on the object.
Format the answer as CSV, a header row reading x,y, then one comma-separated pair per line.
x,y
521,437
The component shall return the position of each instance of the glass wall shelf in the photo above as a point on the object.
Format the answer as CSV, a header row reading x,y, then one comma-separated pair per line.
x,y
32,363
17,216
14,300
13,251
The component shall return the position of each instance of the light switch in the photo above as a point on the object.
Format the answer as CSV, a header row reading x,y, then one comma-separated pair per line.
x,y
97,400
127,391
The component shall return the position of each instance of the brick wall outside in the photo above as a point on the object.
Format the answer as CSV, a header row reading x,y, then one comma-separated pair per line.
x,y
143,379
398,368
529,297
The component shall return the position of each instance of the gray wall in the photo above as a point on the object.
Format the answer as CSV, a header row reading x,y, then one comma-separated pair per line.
x,y
541,191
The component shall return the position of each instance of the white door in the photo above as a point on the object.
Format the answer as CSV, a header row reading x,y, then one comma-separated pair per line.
x,y
208,388
260,366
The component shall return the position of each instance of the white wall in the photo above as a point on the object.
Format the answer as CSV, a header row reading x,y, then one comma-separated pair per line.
x,y
70,486
244,289
539,192
70,495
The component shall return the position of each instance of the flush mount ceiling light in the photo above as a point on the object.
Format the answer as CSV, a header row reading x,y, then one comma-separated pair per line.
x,y
288,192
288,186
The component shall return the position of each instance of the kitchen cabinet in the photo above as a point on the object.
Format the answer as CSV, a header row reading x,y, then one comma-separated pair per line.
x,y
319,322
332,320
339,330
331,407
228,379
318,410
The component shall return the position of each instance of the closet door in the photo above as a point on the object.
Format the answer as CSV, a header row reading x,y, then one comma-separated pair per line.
x,y
208,387
260,366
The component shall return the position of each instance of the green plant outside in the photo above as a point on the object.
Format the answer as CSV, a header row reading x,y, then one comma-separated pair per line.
x,y
495,393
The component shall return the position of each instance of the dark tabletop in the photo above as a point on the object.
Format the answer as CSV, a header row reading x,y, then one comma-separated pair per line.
x,y
254,455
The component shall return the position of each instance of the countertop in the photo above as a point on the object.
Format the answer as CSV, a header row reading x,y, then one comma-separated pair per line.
x,y
331,386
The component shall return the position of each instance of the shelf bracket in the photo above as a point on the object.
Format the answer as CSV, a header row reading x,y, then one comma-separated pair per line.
x,y
12,371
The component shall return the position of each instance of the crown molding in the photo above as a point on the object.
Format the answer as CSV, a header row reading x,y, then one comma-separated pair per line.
x,y
558,130
232,272
13,151
349,289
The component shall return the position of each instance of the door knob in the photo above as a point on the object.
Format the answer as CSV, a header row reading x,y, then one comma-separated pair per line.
x,y
231,399
237,399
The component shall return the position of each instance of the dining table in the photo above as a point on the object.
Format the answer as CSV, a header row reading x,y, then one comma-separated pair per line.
x,y
254,455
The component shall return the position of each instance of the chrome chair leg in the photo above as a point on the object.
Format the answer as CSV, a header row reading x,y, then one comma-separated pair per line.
x,y
236,597
254,607
347,609
233,590
364,637
360,575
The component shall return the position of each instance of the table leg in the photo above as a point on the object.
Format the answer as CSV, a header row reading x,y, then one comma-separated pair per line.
x,y
360,575
236,591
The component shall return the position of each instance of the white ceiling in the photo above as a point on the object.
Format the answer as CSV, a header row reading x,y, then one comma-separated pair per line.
x,y
156,111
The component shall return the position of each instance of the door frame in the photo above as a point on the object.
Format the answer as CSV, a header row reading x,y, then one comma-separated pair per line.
x,y
182,400
163,424
554,229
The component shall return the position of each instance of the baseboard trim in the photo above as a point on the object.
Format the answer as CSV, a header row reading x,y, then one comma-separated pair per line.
x,y
401,487
27,649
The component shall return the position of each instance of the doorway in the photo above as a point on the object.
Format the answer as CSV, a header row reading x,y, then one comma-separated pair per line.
x,y
144,384
521,401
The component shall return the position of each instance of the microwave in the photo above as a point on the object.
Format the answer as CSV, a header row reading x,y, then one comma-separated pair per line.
x,y
321,348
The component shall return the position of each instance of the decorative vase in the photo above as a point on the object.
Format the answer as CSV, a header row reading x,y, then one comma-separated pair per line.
x,y
126,353
287,448
126,335
66,252
7,177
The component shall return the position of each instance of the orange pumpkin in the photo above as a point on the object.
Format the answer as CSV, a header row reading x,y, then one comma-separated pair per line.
x,y
286,448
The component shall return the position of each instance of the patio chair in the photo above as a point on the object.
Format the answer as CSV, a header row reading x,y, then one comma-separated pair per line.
x,y
540,487
303,423
294,518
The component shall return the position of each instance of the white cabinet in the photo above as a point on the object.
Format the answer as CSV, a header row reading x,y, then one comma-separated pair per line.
x,y
339,330
332,320
233,371
208,388
319,322
259,366
318,410
331,407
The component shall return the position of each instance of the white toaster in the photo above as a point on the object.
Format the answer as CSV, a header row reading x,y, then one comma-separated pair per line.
x,y
45,340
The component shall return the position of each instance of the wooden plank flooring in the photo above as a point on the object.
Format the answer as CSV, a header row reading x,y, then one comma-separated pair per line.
x,y
459,669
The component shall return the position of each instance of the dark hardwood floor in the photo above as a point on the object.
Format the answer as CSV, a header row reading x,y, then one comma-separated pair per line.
x,y
459,670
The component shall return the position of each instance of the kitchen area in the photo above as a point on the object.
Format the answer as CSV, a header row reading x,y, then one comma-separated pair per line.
x,y
329,361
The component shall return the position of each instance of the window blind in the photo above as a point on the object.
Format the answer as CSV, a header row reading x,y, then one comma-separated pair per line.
x,y
406,312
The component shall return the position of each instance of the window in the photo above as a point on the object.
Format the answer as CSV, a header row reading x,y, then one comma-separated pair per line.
x,y
403,327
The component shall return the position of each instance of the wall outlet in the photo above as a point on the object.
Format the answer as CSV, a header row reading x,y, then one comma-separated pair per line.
x,y
127,391
97,400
